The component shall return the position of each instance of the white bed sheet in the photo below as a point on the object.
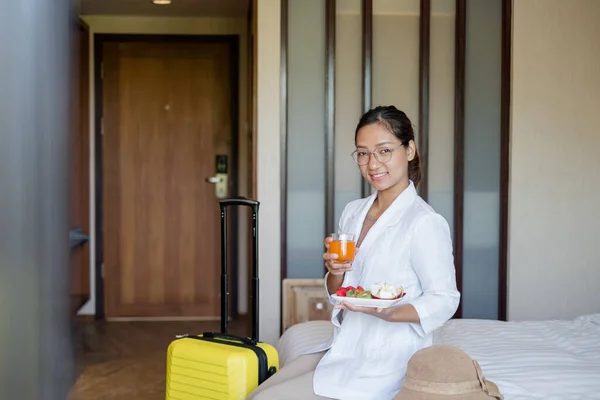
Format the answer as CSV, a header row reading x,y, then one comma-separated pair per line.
x,y
533,359
528,360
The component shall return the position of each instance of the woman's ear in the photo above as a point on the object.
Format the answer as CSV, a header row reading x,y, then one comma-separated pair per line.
x,y
411,150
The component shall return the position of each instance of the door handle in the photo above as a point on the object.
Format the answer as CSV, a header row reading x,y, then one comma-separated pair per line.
x,y
220,182
220,178
214,179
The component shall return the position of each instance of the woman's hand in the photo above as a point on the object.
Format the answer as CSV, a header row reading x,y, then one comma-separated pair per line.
x,y
333,267
405,313
383,313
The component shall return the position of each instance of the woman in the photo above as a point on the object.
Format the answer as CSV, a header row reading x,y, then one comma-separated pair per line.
x,y
402,242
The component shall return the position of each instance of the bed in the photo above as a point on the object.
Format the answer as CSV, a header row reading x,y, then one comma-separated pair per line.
x,y
556,359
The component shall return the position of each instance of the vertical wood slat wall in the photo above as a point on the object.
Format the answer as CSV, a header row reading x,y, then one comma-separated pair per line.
x,y
328,149
283,141
504,157
330,117
367,69
424,50
459,142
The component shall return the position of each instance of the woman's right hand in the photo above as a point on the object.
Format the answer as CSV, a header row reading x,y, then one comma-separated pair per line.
x,y
333,267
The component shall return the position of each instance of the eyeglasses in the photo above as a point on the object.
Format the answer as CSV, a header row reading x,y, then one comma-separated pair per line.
x,y
383,155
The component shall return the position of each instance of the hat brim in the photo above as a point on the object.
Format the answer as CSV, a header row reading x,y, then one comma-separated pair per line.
x,y
407,394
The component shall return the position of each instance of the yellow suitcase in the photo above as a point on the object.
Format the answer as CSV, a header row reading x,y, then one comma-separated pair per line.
x,y
216,365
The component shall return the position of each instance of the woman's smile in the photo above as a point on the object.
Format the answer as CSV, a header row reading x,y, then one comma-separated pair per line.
x,y
378,176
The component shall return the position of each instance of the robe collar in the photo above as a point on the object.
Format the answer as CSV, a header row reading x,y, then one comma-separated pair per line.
x,y
390,217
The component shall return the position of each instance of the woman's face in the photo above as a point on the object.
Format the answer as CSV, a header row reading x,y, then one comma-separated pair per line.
x,y
384,175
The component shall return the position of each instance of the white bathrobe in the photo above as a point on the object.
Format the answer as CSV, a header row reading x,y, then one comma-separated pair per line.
x,y
409,246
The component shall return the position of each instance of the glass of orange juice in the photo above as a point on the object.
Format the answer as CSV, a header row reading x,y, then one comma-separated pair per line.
x,y
343,245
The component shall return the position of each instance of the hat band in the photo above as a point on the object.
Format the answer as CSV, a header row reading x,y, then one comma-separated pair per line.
x,y
442,388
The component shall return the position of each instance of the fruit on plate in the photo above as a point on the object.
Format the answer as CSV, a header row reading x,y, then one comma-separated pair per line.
x,y
380,291
384,291
351,291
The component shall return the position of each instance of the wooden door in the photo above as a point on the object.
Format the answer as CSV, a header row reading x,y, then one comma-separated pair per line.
x,y
79,177
167,115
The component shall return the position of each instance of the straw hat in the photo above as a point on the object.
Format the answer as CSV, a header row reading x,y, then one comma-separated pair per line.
x,y
445,373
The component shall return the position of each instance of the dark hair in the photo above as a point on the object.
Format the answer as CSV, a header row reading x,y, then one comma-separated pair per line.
x,y
397,123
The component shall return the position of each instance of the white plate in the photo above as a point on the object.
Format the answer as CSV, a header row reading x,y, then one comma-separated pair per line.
x,y
376,303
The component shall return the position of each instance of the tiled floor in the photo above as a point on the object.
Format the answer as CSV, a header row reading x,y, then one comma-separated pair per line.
x,y
127,360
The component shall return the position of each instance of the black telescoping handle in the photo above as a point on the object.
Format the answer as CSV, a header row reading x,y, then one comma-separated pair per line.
x,y
240,201
254,205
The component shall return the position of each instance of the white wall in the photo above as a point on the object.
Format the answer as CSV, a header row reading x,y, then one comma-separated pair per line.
x,y
554,256
268,164
181,26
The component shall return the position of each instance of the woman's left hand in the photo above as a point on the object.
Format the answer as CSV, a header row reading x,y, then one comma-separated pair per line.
x,y
403,313
383,313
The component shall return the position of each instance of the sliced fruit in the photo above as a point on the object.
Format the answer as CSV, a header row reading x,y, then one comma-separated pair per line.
x,y
386,292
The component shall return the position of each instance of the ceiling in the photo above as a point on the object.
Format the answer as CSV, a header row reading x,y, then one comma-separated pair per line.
x,y
178,8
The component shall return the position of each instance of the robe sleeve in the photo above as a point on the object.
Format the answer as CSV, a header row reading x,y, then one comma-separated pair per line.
x,y
331,299
433,262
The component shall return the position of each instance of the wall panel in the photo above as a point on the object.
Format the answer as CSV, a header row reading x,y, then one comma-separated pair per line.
x,y
306,117
348,94
483,82
396,55
440,169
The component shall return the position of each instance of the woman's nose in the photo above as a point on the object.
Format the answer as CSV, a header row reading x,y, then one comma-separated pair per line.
x,y
373,163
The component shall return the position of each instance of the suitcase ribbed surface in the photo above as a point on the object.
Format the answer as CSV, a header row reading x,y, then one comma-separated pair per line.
x,y
205,370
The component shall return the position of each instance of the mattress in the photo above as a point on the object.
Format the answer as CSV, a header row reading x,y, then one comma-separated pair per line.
x,y
533,359
301,338
528,359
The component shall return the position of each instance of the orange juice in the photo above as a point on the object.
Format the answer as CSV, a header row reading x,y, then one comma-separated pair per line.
x,y
345,250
